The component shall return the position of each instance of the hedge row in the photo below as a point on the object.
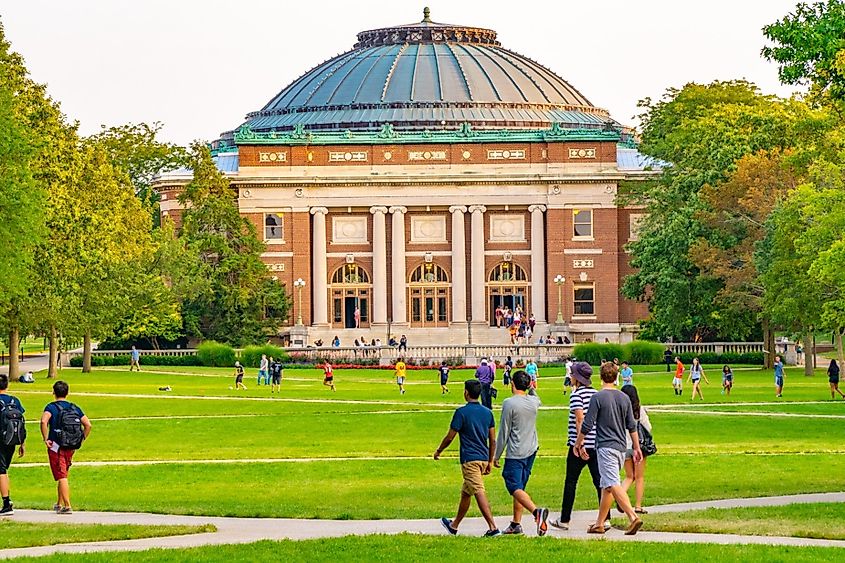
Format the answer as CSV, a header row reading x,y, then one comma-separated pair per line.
x,y
750,358
123,360
638,352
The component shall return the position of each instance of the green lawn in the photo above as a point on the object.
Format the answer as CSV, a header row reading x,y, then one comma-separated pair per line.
x,y
15,534
438,549
816,520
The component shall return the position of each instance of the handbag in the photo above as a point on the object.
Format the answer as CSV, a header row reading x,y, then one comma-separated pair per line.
x,y
647,444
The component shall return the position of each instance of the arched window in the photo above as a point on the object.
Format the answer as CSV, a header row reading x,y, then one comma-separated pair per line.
x,y
507,272
428,296
350,297
350,274
507,290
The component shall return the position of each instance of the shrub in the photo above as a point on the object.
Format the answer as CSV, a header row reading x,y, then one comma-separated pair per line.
x,y
594,352
123,360
642,352
730,358
215,354
251,355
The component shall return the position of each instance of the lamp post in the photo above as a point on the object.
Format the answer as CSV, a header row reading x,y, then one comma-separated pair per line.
x,y
559,281
299,284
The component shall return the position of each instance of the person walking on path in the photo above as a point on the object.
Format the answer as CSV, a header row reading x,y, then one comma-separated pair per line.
x,y
12,437
611,413
399,371
276,371
484,375
239,376
635,472
678,380
579,403
328,375
264,370
627,374
444,377
833,379
476,427
727,380
135,359
506,374
64,428
696,372
778,377
532,371
518,436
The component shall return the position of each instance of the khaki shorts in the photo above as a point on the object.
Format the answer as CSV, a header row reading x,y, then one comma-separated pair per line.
x,y
473,472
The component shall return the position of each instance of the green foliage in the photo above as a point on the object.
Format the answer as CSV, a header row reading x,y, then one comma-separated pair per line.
x,y
594,352
215,354
123,360
251,355
642,352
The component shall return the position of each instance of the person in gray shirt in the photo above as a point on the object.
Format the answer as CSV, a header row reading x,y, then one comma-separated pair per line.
x,y
518,435
610,411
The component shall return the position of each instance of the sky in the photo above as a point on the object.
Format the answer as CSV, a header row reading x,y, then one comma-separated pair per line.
x,y
199,66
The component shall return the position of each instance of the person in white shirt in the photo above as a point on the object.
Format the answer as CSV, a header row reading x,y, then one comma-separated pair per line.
x,y
635,472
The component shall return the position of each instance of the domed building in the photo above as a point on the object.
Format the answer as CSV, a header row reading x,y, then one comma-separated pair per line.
x,y
429,179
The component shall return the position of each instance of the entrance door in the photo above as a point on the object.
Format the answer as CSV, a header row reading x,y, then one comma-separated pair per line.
x,y
349,306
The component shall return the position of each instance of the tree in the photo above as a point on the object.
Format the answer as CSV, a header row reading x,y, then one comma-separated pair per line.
x,y
809,46
241,304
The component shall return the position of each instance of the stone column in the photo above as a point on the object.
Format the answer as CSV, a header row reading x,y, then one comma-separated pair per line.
x,y
379,308
538,266
398,265
319,277
479,295
459,268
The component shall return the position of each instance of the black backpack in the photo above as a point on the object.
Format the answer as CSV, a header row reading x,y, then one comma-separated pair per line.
x,y
647,444
68,427
12,425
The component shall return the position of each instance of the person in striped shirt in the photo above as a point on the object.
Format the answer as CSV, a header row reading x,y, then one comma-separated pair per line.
x,y
579,402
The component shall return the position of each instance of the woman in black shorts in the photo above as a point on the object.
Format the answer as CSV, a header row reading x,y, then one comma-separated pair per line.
x,y
833,379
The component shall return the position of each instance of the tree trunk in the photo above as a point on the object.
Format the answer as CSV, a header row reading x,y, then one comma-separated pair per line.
x,y
54,352
840,353
14,351
809,353
86,352
768,345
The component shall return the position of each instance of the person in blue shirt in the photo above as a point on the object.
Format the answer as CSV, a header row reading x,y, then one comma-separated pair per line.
x,y
474,423
135,360
532,371
627,374
7,452
778,377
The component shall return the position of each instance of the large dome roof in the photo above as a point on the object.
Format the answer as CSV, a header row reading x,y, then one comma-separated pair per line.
x,y
428,75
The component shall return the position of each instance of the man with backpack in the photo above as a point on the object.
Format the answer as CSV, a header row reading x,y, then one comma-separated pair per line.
x,y
12,435
64,427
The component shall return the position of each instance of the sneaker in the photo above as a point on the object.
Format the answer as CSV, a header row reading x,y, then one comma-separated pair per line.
x,y
492,533
7,510
513,529
556,523
541,516
64,510
56,507
607,525
448,525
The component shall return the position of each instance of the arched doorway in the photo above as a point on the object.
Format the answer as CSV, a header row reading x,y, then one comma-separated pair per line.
x,y
507,286
428,296
350,290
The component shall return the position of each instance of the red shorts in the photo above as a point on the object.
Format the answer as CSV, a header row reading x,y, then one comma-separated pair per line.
x,y
60,462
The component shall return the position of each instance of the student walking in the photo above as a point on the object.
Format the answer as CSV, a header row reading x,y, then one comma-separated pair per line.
x,y
778,377
506,375
635,472
12,437
611,414
833,379
678,380
476,427
696,372
484,375
328,375
627,374
532,371
64,428
518,436
135,359
264,370
276,371
579,403
239,376
727,380
444,377
399,372
567,377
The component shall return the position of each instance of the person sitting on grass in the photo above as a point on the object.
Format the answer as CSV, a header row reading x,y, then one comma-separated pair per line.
x,y
475,425
518,436
239,376
328,375
611,414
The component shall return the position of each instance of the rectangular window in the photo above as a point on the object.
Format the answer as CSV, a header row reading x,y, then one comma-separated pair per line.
x,y
582,221
273,227
584,299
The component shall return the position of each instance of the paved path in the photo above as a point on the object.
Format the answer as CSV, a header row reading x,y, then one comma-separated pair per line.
x,y
33,363
245,530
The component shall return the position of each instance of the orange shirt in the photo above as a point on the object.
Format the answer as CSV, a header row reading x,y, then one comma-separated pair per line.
x,y
679,370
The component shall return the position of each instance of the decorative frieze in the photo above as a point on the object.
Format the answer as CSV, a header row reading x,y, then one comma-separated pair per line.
x,y
580,264
504,154
276,267
272,156
582,153
348,156
426,155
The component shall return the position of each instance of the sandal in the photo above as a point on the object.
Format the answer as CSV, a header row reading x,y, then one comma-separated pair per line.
x,y
640,510
596,529
634,527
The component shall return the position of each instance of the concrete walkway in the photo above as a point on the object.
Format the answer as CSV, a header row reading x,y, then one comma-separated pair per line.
x,y
31,362
246,530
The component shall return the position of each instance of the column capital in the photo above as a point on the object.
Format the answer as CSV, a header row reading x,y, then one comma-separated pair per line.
x,y
398,209
479,208
378,209
537,207
458,209
322,210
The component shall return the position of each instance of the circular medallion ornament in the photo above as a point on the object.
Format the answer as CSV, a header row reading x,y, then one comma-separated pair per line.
x,y
466,155
388,155
348,156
